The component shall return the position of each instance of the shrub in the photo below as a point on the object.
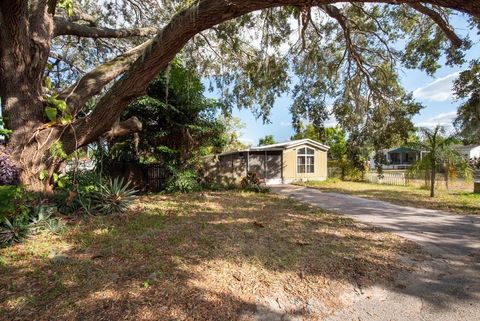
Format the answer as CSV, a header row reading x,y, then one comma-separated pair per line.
x,y
41,218
9,173
11,202
215,186
79,193
251,183
113,197
14,229
183,182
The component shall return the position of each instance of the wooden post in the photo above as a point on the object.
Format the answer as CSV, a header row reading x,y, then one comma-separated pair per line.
x,y
476,181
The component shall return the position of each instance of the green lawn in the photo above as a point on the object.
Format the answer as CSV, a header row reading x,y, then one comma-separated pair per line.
x,y
203,256
460,202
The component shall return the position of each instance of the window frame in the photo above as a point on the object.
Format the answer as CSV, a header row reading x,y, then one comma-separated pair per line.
x,y
305,160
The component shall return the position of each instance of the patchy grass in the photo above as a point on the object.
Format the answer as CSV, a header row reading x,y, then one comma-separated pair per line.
x,y
204,256
459,202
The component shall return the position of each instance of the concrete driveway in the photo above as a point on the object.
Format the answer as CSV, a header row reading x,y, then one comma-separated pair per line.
x,y
444,286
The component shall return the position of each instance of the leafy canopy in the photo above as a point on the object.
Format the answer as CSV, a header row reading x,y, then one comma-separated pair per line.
x,y
179,123
467,88
267,140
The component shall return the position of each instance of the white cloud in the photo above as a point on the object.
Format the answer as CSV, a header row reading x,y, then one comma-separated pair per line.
x,y
331,122
443,119
246,141
438,90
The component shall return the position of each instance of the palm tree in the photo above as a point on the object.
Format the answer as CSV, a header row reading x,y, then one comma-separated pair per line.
x,y
439,151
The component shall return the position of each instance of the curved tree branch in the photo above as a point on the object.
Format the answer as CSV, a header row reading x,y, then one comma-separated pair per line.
x,y
438,19
66,27
129,126
93,82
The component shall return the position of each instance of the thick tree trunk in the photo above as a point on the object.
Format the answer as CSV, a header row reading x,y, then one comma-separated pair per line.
x,y
25,36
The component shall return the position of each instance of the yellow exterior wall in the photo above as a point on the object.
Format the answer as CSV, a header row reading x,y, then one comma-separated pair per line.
x,y
290,165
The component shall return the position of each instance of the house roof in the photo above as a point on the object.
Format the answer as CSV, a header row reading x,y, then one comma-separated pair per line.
x,y
465,147
404,150
284,145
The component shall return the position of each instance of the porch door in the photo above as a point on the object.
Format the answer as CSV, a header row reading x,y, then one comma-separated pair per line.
x,y
256,164
274,167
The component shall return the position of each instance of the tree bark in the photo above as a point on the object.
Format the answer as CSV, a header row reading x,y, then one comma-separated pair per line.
x,y
23,55
129,126
66,27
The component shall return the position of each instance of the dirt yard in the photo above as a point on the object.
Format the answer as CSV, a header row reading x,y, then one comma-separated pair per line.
x,y
204,256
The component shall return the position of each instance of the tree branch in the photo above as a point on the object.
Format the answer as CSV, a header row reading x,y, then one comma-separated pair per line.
x,y
438,19
336,14
66,27
82,16
93,82
129,126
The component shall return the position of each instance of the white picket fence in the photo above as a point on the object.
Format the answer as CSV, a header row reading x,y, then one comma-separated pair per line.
x,y
387,179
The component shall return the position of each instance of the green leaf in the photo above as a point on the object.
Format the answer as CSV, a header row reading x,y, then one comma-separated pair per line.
x,y
67,5
66,119
61,184
61,105
47,82
55,177
51,113
43,174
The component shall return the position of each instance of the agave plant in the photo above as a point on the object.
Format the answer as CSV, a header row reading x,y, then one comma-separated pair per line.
x,y
41,219
114,197
12,231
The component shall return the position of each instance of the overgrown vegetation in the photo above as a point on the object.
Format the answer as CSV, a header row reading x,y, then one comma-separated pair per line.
x,y
21,216
180,127
23,213
251,183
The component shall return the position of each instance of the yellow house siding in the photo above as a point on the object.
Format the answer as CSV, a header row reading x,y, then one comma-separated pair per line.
x,y
290,165
321,163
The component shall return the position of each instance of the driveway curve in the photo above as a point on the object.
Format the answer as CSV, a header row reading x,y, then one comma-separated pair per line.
x,y
445,284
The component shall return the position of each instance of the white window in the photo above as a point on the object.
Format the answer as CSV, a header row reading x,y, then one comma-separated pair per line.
x,y
305,160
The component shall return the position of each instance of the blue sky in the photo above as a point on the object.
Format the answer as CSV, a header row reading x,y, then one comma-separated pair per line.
x,y
434,93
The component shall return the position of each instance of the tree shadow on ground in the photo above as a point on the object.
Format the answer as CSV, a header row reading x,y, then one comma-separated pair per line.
x,y
207,256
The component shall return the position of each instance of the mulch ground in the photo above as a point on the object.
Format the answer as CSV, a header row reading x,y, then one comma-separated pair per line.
x,y
203,256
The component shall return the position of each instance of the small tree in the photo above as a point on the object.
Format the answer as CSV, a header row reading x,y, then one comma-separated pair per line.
x,y
267,140
439,154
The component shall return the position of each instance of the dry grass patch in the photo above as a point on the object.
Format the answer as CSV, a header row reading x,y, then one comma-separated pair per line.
x,y
455,201
204,256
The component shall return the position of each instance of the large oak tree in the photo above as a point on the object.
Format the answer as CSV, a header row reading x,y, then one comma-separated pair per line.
x,y
344,51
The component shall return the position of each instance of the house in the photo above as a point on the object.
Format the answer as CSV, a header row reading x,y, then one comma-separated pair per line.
x,y
468,151
282,163
399,158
